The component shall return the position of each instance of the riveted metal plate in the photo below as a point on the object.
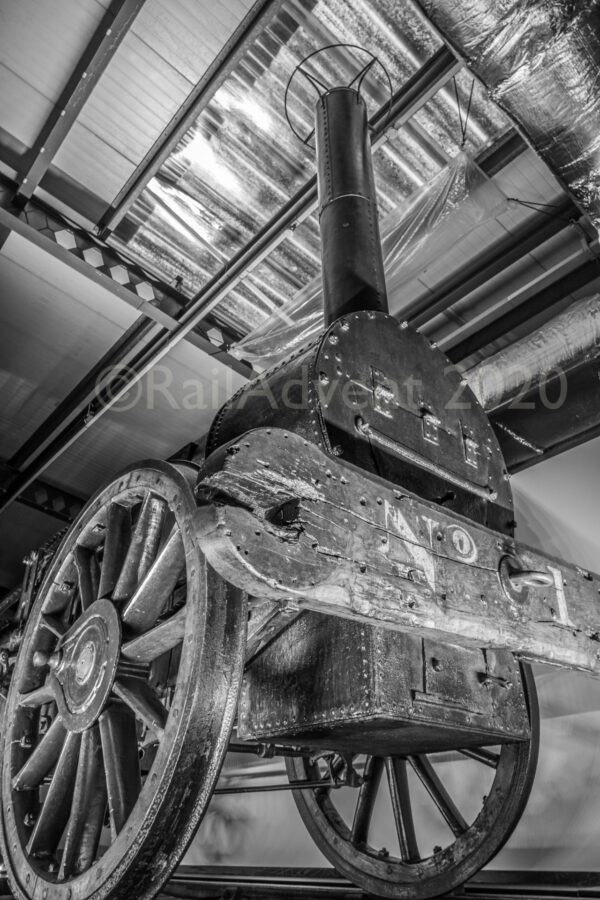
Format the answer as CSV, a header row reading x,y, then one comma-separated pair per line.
x,y
379,396
331,683
397,406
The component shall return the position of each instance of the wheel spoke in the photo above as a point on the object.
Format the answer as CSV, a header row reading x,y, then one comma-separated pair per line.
x,y
88,576
42,758
156,587
366,799
402,808
41,695
486,757
439,794
143,548
54,814
88,808
121,763
143,701
148,647
118,529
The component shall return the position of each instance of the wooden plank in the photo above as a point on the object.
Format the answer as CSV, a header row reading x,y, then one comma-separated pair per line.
x,y
284,521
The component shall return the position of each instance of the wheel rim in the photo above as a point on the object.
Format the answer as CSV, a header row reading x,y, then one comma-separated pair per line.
x,y
113,692
342,826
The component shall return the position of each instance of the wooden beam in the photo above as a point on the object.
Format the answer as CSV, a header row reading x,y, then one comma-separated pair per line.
x,y
286,522
112,29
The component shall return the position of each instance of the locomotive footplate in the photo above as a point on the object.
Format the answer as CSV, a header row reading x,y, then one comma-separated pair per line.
x,y
292,525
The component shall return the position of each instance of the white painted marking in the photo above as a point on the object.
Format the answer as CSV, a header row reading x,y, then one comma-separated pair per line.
x,y
420,555
463,543
430,525
563,612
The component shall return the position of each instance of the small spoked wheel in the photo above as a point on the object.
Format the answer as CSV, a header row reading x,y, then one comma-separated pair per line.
x,y
419,825
123,697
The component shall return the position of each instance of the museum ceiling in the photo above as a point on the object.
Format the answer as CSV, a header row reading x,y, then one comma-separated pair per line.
x,y
158,225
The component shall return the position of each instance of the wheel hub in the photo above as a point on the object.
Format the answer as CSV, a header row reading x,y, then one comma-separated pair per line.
x,y
86,666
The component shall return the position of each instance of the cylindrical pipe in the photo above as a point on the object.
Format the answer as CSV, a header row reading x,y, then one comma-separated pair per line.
x,y
558,345
352,260
539,60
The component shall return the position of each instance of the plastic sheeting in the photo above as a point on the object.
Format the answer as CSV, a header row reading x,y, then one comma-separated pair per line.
x,y
540,60
460,198
555,347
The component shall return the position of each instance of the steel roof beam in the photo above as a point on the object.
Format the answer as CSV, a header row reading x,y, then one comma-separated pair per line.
x,y
153,321
47,498
553,288
245,34
115,24
84,252
15,155
411,97
52,501
550,418
529,236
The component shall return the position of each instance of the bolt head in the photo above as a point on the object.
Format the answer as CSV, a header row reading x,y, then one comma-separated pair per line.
x,y
40,659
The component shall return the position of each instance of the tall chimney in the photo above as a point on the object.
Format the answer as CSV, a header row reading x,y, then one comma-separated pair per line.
x,y
352,261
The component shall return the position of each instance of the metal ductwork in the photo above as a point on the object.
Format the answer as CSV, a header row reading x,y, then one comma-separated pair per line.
x,y
557,346
540,60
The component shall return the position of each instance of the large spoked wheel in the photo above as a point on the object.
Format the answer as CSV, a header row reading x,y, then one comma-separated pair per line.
x,y
420,795
123,698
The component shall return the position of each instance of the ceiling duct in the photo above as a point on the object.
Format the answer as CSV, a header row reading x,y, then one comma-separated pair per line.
x,y
540,61
556,347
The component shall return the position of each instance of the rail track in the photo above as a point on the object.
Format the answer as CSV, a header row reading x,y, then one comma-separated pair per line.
x,y
229,882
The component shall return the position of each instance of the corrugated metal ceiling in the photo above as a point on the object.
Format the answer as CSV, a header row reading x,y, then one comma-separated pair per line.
x,y
166,51
239,162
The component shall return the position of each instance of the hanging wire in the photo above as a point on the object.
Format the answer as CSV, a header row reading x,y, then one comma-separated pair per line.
x,y
463,125
360,76
538,206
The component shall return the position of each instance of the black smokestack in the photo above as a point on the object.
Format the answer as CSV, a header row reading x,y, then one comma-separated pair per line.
x,y
352,262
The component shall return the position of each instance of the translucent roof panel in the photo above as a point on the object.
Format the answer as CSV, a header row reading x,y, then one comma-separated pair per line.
x,y
239,162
